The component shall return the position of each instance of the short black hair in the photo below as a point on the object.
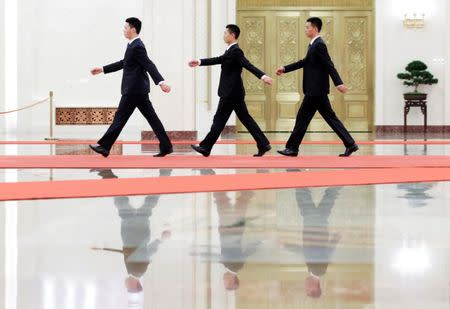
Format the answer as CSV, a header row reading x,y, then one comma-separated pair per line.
x,y
234,29
135,23
316,22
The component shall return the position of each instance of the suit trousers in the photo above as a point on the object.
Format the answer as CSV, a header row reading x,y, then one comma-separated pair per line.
x,y
127,105
310,105
223,113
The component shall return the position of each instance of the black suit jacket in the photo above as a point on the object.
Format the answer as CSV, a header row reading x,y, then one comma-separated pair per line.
x,y
231,85
317,67
135,65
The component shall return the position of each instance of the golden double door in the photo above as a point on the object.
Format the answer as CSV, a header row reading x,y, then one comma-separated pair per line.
x,y
272,38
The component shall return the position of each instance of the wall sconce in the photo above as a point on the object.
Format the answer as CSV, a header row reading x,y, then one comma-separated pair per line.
x,y
414,22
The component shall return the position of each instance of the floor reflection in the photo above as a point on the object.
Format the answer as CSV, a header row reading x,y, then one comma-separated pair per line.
x,y
318,244
138,245
232,222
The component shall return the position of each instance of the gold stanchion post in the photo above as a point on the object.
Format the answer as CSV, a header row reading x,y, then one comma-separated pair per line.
x,y
51,138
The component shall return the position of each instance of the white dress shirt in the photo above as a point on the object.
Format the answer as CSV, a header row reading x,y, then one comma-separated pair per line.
x,y
314,39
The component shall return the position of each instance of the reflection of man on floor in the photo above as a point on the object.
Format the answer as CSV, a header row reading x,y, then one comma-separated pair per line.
x,y
318,244
231,229
232,221
138,249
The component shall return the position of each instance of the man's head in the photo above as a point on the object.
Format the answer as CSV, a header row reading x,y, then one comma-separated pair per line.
x,y
133,285
313,27
230,281
312,287
132,28
231,34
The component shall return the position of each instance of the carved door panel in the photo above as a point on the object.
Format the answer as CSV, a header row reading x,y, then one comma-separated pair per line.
x,y
273,38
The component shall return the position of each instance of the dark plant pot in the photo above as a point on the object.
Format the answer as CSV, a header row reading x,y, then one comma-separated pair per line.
x,y
415,96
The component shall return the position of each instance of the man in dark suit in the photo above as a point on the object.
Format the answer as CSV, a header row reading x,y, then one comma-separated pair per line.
x,y
318,67
232,93
135,90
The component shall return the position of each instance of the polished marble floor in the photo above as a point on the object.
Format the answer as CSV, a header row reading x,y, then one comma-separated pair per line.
x,y
383,246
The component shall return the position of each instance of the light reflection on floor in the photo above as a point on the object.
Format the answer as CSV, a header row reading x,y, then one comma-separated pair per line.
x,y
380,246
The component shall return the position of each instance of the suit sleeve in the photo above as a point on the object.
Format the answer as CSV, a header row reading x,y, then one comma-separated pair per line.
x,y
142,58
238,55
294,66
325,59
211,61
113,67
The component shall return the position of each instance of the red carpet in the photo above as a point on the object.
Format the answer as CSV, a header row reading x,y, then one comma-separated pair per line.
x,y
228,142
192,184
197,161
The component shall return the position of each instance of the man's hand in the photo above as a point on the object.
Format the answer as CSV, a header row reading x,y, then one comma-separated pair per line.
x,y
166,88
280,71
194,63
342,88
267,80
96,71
165,235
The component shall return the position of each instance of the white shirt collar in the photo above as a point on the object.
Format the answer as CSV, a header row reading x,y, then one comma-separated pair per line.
x,y
131,41
314,39
229,46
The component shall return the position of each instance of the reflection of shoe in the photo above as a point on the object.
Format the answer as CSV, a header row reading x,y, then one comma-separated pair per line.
x,y
288,152
107,174
206,171
349,151
165,172
163,153
262,151
201,150
100,149
291,170
104,173
93,170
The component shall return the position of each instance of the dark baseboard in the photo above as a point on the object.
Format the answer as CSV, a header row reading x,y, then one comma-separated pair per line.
x,y
411,129
229,132
173,135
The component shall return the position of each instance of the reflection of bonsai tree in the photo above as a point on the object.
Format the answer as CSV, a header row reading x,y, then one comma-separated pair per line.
x,y
416,193
318,244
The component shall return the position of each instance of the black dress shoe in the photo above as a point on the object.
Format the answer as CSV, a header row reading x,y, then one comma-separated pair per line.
x,y
288,152
201,150
262,151
349,151
100,149
163,153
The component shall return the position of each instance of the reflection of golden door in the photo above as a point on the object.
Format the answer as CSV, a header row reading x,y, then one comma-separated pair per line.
x,y
275,36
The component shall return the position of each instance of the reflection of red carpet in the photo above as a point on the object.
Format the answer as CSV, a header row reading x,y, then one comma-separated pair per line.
x,y
191,184
229,142
197,161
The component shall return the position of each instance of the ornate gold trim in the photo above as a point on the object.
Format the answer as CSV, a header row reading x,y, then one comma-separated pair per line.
x,y
85,115
305,4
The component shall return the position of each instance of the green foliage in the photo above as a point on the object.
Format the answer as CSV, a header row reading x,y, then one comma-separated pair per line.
x,y
416,75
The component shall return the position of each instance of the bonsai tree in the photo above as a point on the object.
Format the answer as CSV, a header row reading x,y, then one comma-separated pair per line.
x,y
416,75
